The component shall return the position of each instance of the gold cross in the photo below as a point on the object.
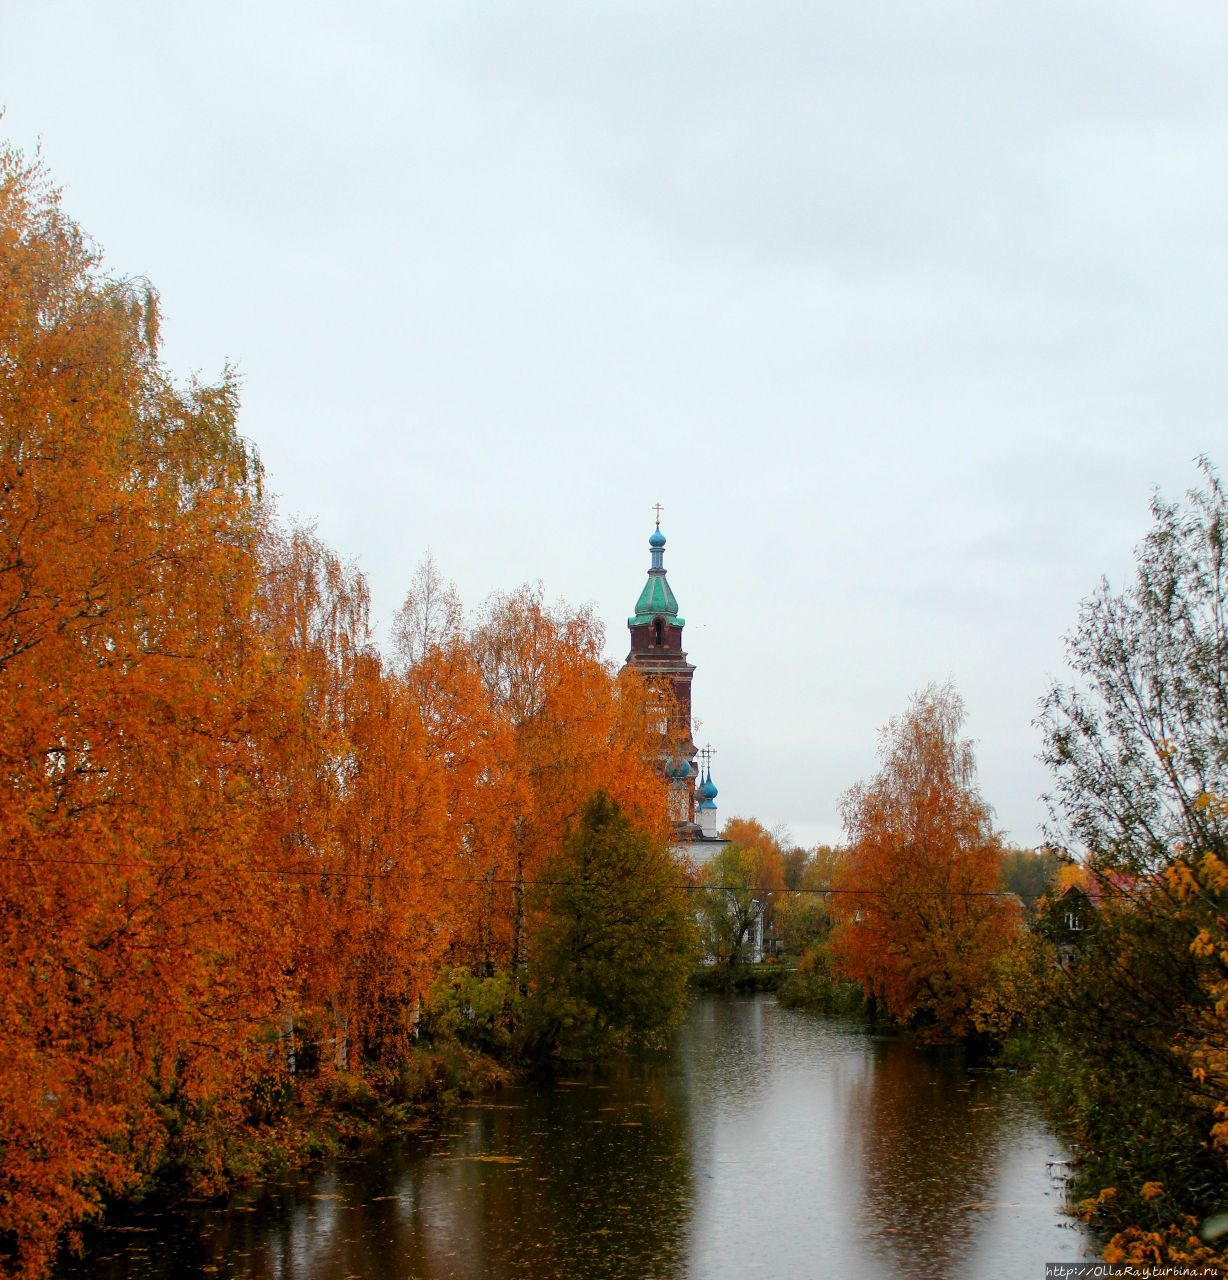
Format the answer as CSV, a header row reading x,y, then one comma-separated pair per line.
x,y
658,509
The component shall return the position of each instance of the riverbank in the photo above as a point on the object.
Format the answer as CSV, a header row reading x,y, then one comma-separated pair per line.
x,y
308,1124
762,1139
796,988
741,979
816,991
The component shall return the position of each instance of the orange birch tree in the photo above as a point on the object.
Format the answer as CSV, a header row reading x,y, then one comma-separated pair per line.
x,y
920,923
136,943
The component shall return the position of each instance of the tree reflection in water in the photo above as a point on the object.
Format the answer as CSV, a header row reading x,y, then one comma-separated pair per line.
x,y
602,1187
929,1134
587,1179
769,1142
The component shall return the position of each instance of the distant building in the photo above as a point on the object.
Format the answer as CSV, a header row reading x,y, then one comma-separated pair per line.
x,y
657,652
1065,920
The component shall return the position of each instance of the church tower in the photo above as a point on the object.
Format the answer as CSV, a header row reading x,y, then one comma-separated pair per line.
x,y
705,813
657,652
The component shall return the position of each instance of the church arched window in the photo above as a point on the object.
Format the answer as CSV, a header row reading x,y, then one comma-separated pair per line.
x,y
658,632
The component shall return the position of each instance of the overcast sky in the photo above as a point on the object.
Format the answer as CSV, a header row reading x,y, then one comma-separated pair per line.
x,y
900,310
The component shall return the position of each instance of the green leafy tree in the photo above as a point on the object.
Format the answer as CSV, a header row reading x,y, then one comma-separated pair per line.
x,y
793,863
613,941
804,916
803,921
731,903
1027,873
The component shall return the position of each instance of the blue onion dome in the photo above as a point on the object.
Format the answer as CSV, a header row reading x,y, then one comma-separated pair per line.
x,y
708,790
657,539
677,769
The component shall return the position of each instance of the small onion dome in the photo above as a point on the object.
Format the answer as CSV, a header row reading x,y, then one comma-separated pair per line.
x,y
677,769
708,789
657,539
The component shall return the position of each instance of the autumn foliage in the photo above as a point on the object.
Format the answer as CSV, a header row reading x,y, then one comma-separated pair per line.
x,y
140,945
1138,745
237,844
921,923
738,889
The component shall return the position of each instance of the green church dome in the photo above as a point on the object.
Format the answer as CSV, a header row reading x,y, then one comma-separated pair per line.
x,y
656,600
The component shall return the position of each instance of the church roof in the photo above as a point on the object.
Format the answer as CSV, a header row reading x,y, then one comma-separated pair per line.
x,y
656,600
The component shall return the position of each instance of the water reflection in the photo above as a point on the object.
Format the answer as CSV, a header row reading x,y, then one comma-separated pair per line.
x,y
930,1136
588,1178
821,1149
768,1143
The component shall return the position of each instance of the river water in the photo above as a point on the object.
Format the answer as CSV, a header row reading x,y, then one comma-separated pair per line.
x,y
768,1143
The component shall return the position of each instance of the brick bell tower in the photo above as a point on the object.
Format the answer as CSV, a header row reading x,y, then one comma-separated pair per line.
x,y
656,652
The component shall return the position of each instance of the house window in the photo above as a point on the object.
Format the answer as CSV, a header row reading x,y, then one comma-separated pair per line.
x,y
1073,923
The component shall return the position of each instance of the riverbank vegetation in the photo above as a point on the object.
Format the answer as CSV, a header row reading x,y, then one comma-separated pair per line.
x,y
241,846
614,942
1138,746
1103,960
736,892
